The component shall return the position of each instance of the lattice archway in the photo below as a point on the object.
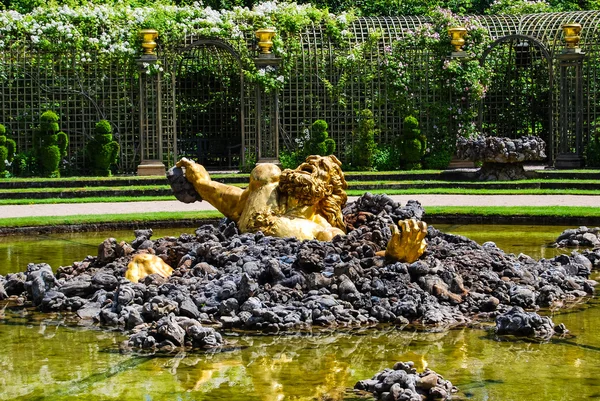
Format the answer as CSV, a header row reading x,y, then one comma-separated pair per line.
x,y
209,104
519,98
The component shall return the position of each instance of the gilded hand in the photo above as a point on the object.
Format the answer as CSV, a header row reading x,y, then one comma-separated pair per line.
x,y
194,172
409,244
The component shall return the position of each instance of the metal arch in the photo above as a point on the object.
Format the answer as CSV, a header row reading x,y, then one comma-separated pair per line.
x,y
216,43
547,57
212,45
509,38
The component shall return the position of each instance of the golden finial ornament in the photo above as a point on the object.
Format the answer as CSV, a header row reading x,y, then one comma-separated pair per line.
x,y
572,31
265,39
457,37
148,41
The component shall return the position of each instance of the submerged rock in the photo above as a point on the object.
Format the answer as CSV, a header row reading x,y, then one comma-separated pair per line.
x,y
229,280
517,322
3,294
582,236
403,383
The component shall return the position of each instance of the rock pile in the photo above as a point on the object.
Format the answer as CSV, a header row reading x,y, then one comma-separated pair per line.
x,y
502,158
227,280
517,322
582,236
403,383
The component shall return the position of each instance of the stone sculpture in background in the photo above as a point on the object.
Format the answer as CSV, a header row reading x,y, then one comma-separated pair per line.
x,y
503,158
305,203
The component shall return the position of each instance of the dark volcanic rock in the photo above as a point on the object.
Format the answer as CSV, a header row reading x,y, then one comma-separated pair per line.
x,y
40,279
494,149
3,294
582,236
404,383
255,282
182,189
526,324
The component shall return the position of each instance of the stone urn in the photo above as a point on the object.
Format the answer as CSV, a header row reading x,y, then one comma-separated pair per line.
x,y
503,158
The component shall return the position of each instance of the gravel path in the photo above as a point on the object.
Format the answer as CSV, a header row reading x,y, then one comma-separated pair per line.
x,y
69,209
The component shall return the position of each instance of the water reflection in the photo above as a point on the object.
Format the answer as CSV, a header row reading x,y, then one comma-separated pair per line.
x,y
43,357
47,360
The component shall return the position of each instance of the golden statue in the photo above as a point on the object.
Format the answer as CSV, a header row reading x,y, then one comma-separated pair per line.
x,y
305,203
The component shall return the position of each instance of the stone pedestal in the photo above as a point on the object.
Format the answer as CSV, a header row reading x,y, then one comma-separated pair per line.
x,y
270,160
569,161
457,163
151,167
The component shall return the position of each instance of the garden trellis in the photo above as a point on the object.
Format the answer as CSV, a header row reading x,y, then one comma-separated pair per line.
x,y
210,102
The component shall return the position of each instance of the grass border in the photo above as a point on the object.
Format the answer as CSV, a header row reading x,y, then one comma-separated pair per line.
x,y
551,212
106,218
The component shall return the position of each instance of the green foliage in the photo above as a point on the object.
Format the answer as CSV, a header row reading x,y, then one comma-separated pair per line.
x,y
386,158
250,159
319,142
112,30
439,157
513,7
7,152
25,164
592,151
101,152
315,141
411,144
461,84
364,147
50,145
288,159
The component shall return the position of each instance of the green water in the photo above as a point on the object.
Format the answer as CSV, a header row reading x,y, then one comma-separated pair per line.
x,y
44,357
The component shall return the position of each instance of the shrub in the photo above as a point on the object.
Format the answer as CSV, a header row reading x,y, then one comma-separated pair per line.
x,y
364,147
7,152
313,142
411,144
50,145
288,159
439,157
319,143
386,158
102,151
592,151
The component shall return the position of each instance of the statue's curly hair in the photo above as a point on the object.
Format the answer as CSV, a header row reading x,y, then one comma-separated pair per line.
x,y
330,205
